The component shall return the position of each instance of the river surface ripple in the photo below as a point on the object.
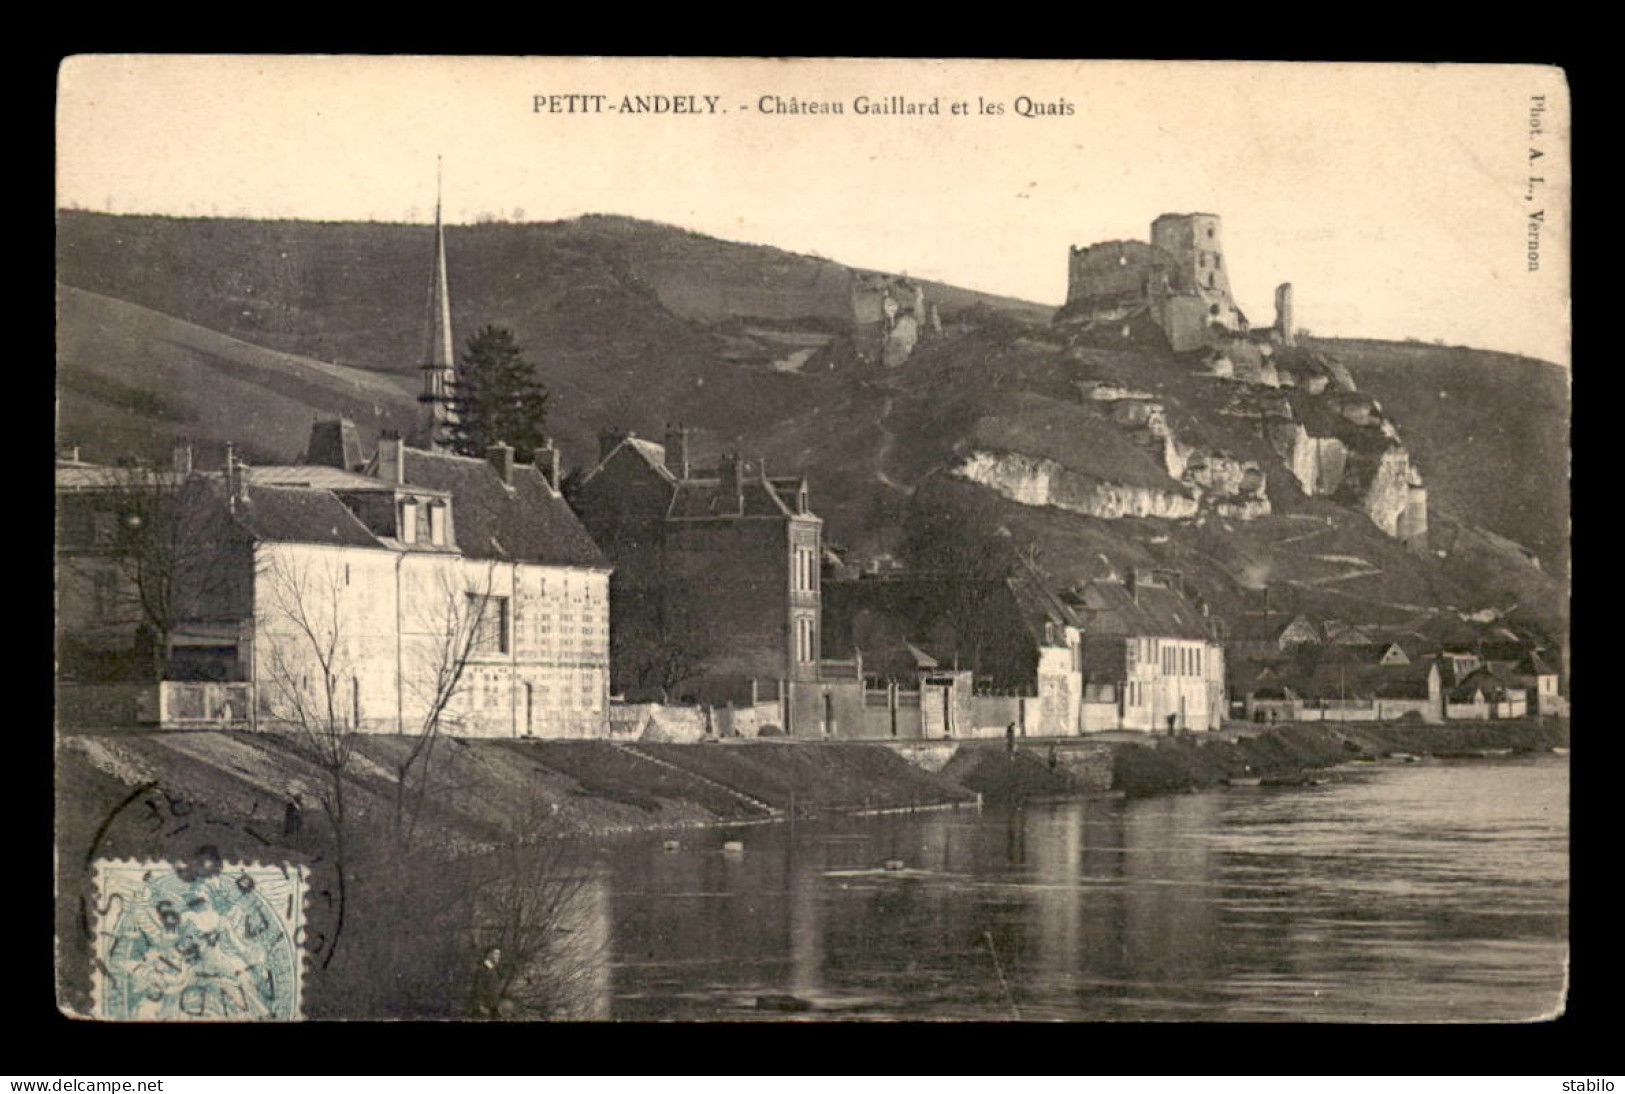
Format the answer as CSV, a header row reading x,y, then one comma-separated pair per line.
x,y
1395,893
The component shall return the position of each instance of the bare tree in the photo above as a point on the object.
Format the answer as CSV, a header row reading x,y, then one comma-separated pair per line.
x,y
306,660
654,650
538,938
966,548
448,628
155,547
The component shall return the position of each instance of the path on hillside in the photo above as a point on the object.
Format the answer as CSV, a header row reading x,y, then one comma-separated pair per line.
x,y
1322,526
888,440
1321,585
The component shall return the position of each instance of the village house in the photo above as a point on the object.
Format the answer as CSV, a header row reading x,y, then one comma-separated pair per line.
x,y
1269,634
1149,652
973,656
421,585
1478,690
1538,676
1356,682
1107,655
716,590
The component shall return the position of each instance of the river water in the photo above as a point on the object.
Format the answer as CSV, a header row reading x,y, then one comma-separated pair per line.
x,y
1395,893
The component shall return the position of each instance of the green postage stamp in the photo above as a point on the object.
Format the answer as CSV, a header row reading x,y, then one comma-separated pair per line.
x,y
203,940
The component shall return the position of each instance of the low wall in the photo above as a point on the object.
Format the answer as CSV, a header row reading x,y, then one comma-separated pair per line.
x,y
1393,710
1090,766
747,720
891,717
1098,717
1260,711
996,713
669,723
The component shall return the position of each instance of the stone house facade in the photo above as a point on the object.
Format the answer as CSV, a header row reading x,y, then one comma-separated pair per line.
x,y
1151,652
422,581
722,565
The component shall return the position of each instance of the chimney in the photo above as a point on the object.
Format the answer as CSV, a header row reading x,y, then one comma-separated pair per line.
x,y
609,438
732,484
181,458
335,443
677,455
236,480
547,462
500,456
391,457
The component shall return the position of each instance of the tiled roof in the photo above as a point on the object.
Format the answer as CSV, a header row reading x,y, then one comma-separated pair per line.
x,y
1368,653
654,454
1040,606
1260,626
1484,679
95,477
651,453
1152,611
1336,680
314,476
695,499
291,514
526,522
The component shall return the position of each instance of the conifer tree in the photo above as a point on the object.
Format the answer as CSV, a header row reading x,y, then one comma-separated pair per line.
x,y
497,398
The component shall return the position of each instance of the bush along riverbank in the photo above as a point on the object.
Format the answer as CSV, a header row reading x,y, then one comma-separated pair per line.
x,y
1288,754
477,899
1029,773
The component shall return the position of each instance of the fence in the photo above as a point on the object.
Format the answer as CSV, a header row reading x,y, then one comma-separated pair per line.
x,y
891,712
205,705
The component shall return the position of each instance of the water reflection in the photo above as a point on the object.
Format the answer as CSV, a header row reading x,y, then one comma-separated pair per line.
x,y
1402,894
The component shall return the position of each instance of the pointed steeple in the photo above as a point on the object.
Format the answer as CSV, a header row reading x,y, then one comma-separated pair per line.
x,y
439,362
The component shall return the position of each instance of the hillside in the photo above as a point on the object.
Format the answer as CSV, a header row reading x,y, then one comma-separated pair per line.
x,y
246,330
1490,431
130,380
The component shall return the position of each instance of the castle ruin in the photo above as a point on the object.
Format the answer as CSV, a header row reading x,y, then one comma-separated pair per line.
x,y
890,316
1175,291
1175,288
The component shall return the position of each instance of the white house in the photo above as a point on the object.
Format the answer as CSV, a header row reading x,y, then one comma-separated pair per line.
x,y
424,585
1152,651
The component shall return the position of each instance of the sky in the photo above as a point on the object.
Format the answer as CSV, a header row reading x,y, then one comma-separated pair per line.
x,y
1396,198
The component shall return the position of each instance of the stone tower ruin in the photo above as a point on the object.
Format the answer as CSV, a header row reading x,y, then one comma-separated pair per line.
x,y
1283,314
1178,285
889,316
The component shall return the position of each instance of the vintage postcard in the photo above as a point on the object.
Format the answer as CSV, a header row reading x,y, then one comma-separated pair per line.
x,y
813,539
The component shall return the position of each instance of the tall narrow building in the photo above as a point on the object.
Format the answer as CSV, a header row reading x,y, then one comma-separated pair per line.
x,y
439,361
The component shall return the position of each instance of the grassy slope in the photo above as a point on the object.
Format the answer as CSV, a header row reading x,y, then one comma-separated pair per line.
x,y
1489,430
162,796
131,379
1286,752
609,307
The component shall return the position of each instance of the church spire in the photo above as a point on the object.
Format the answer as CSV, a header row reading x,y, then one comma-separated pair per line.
x,y
439,363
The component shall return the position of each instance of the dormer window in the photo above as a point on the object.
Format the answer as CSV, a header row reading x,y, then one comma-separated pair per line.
x,y
437,523
409,521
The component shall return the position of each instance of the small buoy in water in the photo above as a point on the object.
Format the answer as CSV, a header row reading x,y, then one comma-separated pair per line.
x,y
894,864
733,847
671,845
